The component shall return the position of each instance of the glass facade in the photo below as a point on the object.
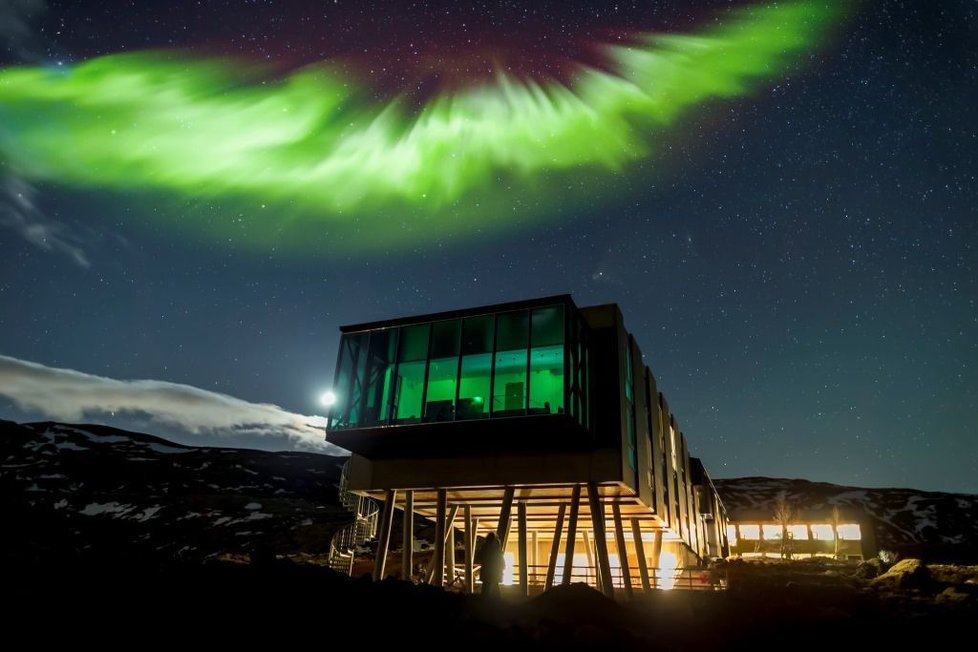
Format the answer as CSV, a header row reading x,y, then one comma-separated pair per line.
x,y
484,366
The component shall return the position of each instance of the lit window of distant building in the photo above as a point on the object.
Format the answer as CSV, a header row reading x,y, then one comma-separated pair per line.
x,y
750,532
732,535
798,532
771,532
822,532
849,531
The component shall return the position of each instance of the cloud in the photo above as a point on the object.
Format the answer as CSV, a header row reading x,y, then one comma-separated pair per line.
x,y
19,211
68,395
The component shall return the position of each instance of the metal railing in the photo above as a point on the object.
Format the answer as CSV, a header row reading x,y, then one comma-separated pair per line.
x,y
345,541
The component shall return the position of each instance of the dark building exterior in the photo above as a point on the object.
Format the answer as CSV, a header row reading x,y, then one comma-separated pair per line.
x,y
537,420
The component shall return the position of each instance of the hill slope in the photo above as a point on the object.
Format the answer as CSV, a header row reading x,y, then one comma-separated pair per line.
x,y
94,491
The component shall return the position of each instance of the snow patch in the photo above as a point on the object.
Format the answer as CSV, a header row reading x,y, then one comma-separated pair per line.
x,y
94,509
161,448
147,513
253,506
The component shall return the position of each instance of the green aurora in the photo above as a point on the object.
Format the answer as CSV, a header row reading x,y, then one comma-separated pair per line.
x,y
310,153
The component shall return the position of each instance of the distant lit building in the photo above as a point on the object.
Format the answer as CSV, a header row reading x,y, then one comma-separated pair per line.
x,y
808,533
537,420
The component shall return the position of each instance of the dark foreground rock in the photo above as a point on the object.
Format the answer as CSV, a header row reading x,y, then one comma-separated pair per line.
x,y
281,603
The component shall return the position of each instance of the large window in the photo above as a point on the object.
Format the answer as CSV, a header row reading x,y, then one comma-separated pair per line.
x,y
750,532
378,377
509,370
849,532
496,365
409,387
474,382
547,361
442,371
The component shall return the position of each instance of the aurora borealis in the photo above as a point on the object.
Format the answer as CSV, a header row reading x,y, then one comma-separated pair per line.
x,y
781,197
203,127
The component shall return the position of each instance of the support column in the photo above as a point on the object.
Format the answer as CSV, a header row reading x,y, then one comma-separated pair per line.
x,y
438,559
656,557
555,548
407,537
643,567
449,524
571,534
524,562
626,573
450,554
535,556
600,539
505,516
469,551
590,558
384,535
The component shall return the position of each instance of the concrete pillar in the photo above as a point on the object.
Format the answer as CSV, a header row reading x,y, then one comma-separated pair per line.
x,y
384,535
524,562
505,514
600,539
555,548
407,537
643,567
571,534
626,574
438,559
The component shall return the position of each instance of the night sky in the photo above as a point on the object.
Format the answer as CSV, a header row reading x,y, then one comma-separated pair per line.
x,y
797,260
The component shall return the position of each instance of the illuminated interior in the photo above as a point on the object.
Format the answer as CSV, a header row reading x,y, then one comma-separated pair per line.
x,y
750,532
772,532
484,366
798,532
667,571
822,532
849,532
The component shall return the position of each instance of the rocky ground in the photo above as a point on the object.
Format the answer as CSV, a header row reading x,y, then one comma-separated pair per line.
x,y
798,604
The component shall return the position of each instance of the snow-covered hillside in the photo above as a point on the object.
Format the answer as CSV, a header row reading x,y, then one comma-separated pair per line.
x,y
93,490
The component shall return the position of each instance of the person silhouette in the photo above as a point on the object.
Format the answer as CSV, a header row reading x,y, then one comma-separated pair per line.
x,y
491,558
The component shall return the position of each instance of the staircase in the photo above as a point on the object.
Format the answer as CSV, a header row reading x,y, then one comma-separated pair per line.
x,y
363,527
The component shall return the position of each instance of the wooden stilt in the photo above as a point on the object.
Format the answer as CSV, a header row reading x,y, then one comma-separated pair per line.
x,y
524,562
626,574
384,535
571,534
534,558
555,548
643,567
449,524
438,561
590,558
407,537
450,555
600,539
469,551
505,513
